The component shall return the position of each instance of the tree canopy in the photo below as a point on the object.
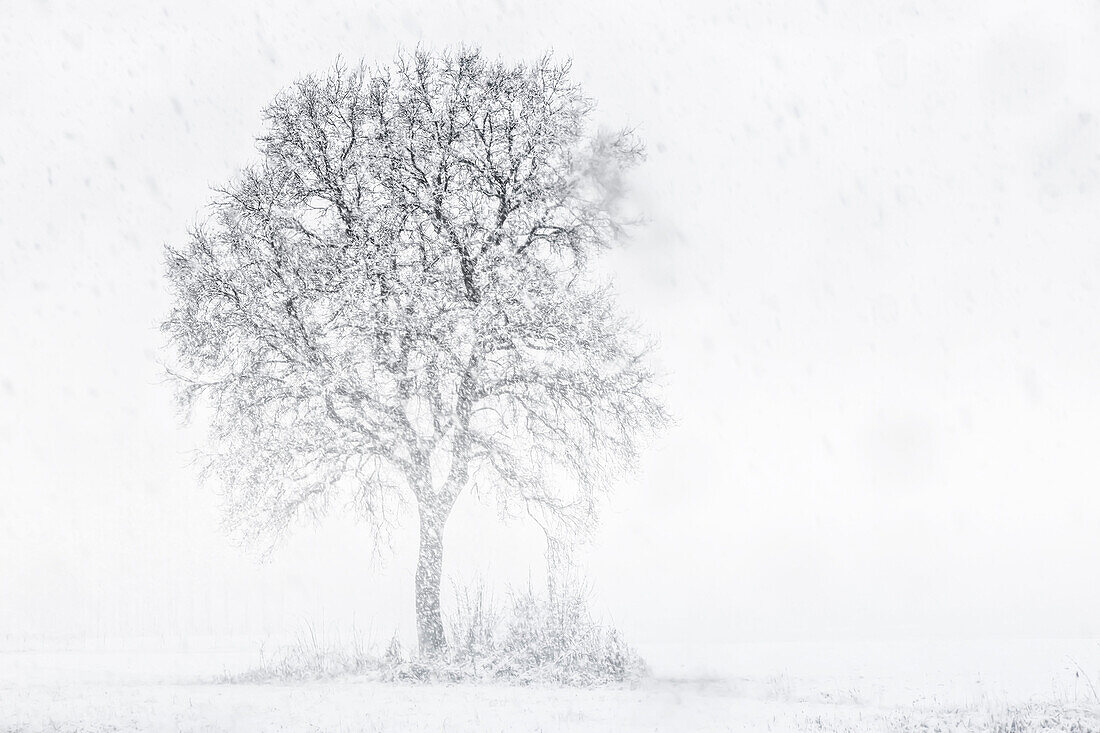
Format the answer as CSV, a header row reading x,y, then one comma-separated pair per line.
x,y
397,301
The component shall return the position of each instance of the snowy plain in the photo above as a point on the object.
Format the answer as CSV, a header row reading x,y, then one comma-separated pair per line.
x,y
947,685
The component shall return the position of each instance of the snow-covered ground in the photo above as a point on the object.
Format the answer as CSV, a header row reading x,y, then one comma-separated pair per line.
x,y
1027,685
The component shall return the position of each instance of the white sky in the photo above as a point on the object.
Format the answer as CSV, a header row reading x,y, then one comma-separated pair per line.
x,y
872,268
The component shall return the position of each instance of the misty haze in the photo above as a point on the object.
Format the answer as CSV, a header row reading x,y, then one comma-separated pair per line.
x,y
572,366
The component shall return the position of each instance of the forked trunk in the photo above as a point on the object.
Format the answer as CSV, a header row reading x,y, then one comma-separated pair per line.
x,y
429,572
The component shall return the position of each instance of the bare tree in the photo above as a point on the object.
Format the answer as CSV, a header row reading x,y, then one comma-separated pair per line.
x,y
397,300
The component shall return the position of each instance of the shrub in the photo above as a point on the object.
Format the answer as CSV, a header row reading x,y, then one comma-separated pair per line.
x,y
311,658
473,628
543,639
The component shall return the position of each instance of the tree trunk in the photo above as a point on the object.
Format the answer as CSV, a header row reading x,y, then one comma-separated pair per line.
x,y
429,572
